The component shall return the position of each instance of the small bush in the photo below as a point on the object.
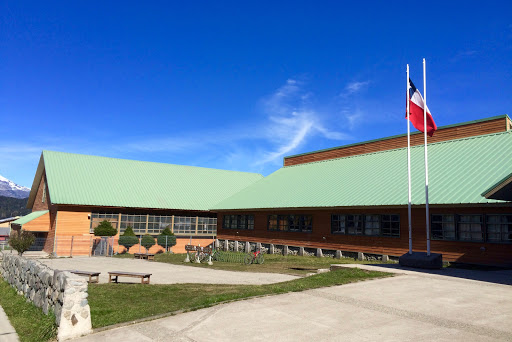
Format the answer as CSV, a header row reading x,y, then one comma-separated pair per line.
x,y
166,238
21,240
105,229
128,238
148,241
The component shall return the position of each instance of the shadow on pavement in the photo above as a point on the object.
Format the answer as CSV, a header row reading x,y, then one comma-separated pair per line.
x,y
503,276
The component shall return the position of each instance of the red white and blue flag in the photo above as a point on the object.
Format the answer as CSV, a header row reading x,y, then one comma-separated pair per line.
x,y
416,105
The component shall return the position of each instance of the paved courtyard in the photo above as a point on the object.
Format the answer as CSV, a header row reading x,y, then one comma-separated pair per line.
x,y
412,306
162,273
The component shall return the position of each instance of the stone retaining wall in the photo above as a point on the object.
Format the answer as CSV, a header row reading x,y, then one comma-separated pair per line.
x,y
61,292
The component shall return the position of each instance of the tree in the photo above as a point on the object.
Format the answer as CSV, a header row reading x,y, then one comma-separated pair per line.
x,y
147,241
21,240
128,238
105,229
166,239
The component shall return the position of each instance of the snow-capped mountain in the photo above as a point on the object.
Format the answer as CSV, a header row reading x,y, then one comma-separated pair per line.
x,y
10,189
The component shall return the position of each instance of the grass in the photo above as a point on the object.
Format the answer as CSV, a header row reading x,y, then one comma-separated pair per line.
x,y
274,263
29,321
117,303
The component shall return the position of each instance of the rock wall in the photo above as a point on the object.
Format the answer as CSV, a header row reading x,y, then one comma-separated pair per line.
x,y
62,292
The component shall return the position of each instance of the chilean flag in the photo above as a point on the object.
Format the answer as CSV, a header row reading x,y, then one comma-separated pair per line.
x,y
416,105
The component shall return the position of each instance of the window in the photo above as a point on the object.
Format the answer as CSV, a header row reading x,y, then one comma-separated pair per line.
x,y
338,224
137,222
157,223
354,224
470,228
184,225
290,223
207,225
390,225
44,193
499,228
238,222
443,227
97,218
370,225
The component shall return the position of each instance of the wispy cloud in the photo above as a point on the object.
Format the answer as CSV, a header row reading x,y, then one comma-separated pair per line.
x,y
289,119
292,120
354,87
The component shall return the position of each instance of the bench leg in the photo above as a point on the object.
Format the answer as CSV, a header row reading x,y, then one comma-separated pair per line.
x,y
109,278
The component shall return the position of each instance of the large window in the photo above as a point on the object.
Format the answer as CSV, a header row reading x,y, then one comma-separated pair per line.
x,y
371,225
238,222
499,228
443,227
473,227
207,225
157,223
154,224
184,225
290,223
97,218
137,222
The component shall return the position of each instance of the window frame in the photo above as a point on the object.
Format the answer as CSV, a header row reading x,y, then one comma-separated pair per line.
x,y
303,222
338,218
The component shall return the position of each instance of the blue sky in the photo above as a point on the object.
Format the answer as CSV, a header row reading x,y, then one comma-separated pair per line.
x,y
237,85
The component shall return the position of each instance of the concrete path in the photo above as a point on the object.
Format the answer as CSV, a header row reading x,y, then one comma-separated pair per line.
x,y
7,332
408,307
163,273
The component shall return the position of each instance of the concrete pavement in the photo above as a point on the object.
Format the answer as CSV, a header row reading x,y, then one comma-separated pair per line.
x,y
414,306
7,332
163,273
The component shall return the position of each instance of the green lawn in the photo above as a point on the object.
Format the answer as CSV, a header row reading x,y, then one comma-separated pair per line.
x,y
117,303
31,324
274,263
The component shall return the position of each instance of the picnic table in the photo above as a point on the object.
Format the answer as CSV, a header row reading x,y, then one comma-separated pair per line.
x,y
144,256
87,274
144,277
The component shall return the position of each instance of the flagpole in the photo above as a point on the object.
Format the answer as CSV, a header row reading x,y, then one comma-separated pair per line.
x,y
409,163
426,155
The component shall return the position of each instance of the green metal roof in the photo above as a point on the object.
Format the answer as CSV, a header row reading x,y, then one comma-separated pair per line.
x,y
504,116
98,181
27,218
459,170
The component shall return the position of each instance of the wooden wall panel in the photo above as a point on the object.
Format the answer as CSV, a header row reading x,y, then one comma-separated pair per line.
x,y
321,237
73,223
450,133
40,224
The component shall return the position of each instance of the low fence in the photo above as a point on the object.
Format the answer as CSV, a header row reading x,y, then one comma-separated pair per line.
x,y
68,246
51,290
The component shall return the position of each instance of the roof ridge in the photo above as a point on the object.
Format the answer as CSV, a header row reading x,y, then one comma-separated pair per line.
x,y
401,148
496,117
151,162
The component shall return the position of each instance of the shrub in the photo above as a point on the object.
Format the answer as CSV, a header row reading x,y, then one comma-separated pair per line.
x,y
21,240
147,241
166,239
128,238
105,229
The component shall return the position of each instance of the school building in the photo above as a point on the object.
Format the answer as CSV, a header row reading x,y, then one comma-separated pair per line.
x,y
349,198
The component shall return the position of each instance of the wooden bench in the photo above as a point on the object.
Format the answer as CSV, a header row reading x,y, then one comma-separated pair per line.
x,y
144,277
144,256
87,274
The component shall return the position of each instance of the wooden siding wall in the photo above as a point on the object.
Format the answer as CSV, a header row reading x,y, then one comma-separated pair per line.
x,y
321,237
451,133
40,224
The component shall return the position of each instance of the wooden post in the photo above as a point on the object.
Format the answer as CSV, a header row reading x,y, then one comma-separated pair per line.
x,y
172,224
147,219
197,223
71,251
